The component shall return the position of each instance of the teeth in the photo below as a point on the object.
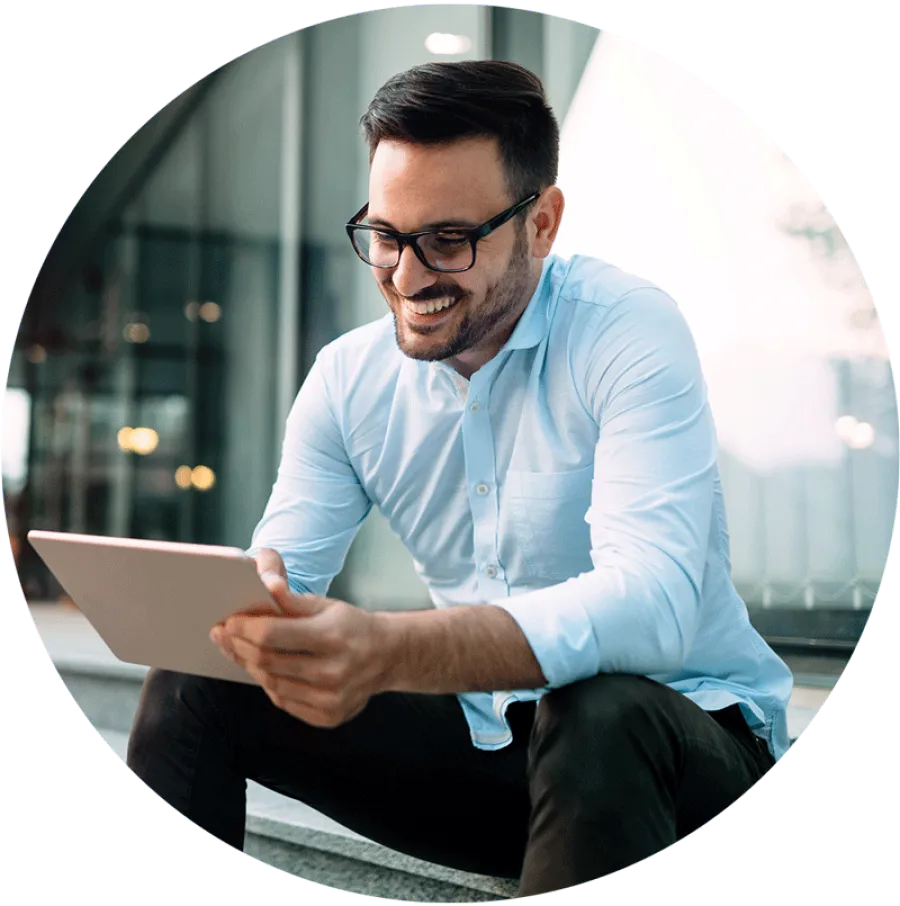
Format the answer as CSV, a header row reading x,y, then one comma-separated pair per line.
x,y
428,308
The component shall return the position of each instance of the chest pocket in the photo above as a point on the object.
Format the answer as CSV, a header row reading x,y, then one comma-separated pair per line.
x,y
546,519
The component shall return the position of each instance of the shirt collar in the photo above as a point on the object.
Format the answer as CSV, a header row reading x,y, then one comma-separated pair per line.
x,y
534,323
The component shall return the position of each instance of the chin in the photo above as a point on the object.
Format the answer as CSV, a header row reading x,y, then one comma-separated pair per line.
x,y
421,348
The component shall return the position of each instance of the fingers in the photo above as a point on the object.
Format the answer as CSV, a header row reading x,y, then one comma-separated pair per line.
x,y
289,603
315,705
307,634
278,588
302,666
313,633
312,695
269,561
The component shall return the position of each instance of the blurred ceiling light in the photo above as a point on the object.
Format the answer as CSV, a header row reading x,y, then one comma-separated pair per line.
x,y
856,434
36,354
191,310
845,426
442,44
124,439
144,441
863,436
210,312
183,477
136,332
203,478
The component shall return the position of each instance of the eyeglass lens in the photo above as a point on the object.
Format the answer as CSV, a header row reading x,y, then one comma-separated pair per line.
x,y
442,251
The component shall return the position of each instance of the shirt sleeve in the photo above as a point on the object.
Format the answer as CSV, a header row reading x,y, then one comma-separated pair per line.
x,y
651,506
317,503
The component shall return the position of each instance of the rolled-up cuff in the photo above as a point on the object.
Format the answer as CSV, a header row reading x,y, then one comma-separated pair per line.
x,y
559,631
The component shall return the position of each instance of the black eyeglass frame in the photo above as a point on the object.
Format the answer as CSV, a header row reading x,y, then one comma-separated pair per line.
x,y
473,234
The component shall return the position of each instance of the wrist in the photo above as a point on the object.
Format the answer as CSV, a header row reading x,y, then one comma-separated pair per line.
x,y
386,650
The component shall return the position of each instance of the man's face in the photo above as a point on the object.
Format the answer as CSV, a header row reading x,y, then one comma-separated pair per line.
x,y
412,187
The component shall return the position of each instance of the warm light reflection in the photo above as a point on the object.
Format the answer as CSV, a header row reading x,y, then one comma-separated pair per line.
x,y
124,439
203,478
183,477
37,354
136,332
191,310
210,312
144,441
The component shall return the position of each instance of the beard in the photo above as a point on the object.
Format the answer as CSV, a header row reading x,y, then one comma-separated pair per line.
x,y
499,305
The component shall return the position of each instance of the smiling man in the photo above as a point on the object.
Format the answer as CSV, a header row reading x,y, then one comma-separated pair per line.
x,y
465,317
588,688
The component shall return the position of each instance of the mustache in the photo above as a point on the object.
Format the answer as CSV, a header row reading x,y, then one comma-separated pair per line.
x,y
433,293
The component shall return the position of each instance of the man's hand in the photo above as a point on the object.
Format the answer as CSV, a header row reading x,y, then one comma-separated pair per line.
x,y
321,660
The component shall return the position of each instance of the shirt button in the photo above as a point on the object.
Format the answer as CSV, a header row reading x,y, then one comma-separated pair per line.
x,y
491,572
474,407
481,489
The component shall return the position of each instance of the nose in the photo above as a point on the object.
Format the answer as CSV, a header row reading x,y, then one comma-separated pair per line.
x,y
410,276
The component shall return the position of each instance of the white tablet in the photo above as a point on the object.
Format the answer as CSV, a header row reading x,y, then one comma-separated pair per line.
x,y
154,602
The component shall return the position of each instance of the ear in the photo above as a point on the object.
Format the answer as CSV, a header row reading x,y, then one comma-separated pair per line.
x,y
546,218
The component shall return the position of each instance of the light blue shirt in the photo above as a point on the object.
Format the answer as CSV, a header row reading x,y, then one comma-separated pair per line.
x,y
571,481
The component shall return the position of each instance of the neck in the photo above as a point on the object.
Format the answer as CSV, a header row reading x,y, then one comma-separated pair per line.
x,y
470,360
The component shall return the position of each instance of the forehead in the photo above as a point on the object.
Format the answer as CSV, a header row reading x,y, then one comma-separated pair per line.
x,y
414,184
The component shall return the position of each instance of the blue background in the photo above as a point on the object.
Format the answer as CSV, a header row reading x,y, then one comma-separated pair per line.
x,y
75,82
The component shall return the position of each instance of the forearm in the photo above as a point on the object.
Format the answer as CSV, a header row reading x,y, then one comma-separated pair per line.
x,y
477,648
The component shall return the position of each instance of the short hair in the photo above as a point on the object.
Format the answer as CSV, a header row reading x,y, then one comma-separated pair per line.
x,y
440,103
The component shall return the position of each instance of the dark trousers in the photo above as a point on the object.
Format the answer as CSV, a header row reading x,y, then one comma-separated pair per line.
x,y
601,773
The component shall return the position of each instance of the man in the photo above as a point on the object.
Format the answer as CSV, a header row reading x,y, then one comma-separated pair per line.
x,y
588,688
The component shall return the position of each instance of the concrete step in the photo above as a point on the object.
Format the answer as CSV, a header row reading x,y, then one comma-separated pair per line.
x,y
280,831
297,839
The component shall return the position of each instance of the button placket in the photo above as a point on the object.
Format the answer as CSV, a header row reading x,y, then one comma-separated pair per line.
x,y
478,447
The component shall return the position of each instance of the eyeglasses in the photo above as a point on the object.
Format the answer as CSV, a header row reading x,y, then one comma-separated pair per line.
x,y
448,251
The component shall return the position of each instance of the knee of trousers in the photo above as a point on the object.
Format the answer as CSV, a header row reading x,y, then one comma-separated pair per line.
x,y
169,699
587,729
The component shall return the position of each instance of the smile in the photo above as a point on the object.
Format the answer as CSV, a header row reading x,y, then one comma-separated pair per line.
x,y
428,308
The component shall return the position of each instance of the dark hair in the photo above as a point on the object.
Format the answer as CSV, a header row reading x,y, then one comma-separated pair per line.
x,y
439,103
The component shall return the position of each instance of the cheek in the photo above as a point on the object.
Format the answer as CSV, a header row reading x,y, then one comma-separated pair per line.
x,y
384,282
472,288
492,271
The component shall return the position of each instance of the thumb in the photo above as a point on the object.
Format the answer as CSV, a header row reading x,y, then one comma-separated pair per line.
x,y
269,560
289,603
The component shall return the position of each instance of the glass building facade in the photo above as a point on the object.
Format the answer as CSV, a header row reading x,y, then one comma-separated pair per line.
x,y
187,295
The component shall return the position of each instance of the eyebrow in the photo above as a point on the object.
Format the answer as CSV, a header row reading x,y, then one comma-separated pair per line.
x,y
435,225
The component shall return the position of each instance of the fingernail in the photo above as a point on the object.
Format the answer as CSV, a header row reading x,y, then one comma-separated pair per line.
x,y
215,634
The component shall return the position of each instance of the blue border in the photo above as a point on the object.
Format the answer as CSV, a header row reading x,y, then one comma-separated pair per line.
x,y
77,81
